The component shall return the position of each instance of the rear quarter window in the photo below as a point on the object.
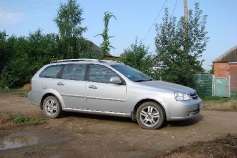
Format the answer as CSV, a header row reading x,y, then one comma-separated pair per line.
x,y
51,71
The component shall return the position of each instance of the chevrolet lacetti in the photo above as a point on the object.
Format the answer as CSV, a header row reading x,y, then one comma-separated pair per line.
x,y
110,88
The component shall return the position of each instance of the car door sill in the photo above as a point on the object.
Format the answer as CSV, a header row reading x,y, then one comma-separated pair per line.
x,y
98,112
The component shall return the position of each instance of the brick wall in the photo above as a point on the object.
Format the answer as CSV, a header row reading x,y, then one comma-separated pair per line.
x,y
225,69
233,68
221,69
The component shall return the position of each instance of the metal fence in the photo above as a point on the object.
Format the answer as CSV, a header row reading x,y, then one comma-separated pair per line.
x,y
203,83
209,85
233,85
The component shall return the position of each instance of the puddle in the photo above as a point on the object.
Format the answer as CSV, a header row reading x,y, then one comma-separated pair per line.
x,y
17,142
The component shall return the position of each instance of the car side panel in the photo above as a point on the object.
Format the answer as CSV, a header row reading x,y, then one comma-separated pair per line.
x,y
136,95
72,92
106,97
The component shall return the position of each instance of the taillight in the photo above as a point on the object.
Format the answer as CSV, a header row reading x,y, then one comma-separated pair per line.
x,y
30,85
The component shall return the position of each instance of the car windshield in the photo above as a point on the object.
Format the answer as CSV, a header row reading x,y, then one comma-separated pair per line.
x,y
131,73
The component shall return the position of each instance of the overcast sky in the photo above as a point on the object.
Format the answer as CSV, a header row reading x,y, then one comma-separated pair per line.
x,y
135,18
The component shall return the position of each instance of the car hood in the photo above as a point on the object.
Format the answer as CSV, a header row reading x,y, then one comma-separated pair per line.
x,y
167,86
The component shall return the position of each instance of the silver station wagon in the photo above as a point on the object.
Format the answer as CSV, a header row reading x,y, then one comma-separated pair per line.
x,y
110,88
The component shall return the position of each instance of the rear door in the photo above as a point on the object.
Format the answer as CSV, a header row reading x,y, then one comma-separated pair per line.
x,y
71,86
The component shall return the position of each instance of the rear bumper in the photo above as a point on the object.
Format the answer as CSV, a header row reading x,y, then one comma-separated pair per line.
x,y
34,98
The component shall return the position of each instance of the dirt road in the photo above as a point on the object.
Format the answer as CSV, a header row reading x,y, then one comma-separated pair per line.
x,y
81,135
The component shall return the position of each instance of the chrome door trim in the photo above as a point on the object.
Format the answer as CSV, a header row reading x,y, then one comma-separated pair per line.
x,y
100,98
70,95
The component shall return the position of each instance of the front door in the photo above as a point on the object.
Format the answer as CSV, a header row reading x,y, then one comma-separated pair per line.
x,y
101,95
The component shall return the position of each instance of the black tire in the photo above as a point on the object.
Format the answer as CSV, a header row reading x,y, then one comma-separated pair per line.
x,y
52,107
150,115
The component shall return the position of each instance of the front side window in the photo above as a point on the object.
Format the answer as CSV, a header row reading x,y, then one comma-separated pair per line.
x,y
99,73
51,71
74,72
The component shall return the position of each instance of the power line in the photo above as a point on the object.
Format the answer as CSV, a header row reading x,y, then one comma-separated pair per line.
x,y
155,20
174,7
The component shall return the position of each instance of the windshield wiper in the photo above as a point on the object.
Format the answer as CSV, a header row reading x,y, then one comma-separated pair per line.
x,y
143,80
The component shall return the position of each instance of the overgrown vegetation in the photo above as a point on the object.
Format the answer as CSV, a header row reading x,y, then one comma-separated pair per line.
x,y
219,103
71,43
105,45
223,147
21,57
180,49
138,56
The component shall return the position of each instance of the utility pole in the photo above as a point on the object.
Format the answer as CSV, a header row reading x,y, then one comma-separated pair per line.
x,y
186,11
186,26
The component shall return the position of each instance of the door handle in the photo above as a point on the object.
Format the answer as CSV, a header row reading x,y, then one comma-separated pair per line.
x,y
92,87
60,84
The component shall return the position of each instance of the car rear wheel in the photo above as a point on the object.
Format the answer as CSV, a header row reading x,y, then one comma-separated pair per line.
x,y
51,107
150,115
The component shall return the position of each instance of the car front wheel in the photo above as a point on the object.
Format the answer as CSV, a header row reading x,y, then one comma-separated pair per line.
x,y
51,107
150,115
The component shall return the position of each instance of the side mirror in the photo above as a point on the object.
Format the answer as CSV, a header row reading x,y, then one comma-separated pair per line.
x,y
115,80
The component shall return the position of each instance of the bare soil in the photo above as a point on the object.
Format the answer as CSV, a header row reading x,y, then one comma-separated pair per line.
x,y
82,135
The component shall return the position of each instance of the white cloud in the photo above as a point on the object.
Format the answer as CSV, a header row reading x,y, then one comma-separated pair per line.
x,y
10,18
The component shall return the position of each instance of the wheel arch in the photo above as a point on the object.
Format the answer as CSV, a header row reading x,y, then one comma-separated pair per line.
x,y
143,101
52,93
43,98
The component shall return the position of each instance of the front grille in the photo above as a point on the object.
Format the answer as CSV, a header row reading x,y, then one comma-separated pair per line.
x,y
194,96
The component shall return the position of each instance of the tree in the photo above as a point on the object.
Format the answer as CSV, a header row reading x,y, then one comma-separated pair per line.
x,y
106,46
3,50
42,49
138,56
181,55
15,72
25,55
68,20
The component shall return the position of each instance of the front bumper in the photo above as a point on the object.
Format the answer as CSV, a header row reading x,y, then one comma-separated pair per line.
x,y
182,110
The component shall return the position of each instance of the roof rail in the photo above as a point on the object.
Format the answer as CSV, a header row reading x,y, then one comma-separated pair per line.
x,y
68,60
111,61
85,59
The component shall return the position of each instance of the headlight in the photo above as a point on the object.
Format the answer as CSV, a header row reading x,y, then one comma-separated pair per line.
x,y
181,96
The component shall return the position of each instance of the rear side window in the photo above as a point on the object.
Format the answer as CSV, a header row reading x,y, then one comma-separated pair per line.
x,y
51,71
74,72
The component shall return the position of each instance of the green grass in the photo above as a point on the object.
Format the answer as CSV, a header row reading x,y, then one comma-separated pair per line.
x,y
216,98
20,90
219,103
5,90
28,120
7,117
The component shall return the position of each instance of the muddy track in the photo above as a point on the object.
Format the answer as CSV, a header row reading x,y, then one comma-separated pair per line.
x,y
81,135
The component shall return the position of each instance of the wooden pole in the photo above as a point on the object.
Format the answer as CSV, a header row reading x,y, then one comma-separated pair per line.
x,y
186,25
